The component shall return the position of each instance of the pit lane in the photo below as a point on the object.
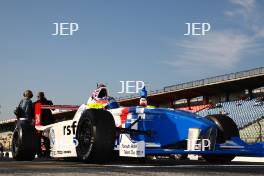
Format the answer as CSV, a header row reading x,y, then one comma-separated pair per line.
x,y
156,167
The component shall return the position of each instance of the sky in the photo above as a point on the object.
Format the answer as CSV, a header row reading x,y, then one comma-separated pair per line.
x,y
121,40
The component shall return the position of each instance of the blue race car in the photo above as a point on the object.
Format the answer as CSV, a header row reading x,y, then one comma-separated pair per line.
x,y
97,130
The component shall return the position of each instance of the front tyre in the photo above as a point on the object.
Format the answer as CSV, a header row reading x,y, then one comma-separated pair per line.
x,y
227,129
24,142
96,136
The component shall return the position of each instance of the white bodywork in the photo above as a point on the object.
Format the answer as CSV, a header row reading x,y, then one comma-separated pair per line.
x,y
63,142
62,135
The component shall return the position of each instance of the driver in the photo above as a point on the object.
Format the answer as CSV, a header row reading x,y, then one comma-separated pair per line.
x,y
100,98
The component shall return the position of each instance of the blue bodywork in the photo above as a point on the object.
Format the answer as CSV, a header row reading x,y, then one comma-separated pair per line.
x,y
169,131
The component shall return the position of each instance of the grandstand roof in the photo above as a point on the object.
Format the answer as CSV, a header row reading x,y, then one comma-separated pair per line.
x,y
233,82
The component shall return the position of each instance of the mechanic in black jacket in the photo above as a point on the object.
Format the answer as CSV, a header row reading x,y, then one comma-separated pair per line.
x,y
46,119
46,115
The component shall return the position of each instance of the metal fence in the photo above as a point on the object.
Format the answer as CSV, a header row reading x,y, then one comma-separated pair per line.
x,y
254,132
247,114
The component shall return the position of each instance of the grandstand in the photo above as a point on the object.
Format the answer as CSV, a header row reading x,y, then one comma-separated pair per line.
x,y
237,94
243,112
5,139
195,108
253,132
247,114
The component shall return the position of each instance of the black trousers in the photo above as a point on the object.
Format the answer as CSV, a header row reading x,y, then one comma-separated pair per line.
x,y
43,153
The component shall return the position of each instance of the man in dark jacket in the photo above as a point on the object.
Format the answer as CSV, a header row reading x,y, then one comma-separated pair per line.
x,y
46,115
46,119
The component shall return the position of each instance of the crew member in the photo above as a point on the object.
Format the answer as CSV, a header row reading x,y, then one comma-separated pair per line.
x,y
46,119
24,110
46,114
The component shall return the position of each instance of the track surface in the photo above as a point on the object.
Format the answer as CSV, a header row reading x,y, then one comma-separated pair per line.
x,y
120,168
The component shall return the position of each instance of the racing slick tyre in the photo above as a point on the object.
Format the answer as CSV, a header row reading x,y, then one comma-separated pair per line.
x,y
96,132
24,142
227,128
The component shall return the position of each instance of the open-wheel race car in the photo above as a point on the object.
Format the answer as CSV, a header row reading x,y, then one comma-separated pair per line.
x,y
99,129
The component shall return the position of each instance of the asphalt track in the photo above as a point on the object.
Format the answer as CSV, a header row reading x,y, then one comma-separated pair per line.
x,y
128,168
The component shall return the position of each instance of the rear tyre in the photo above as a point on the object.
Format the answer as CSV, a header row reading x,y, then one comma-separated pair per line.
x,y
227,129
24,142
96,136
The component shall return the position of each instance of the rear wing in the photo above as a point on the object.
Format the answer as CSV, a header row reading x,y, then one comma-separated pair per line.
x,y
39,107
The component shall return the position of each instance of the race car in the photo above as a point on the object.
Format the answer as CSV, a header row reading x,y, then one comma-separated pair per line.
x,y
100,129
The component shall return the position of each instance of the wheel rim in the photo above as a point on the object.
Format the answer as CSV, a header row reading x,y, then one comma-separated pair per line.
x,y
85,138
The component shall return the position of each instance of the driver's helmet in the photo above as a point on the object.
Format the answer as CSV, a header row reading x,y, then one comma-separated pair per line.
x,y
100,92
101,99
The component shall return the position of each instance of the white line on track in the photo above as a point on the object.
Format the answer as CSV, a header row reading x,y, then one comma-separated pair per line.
x,y
181,166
